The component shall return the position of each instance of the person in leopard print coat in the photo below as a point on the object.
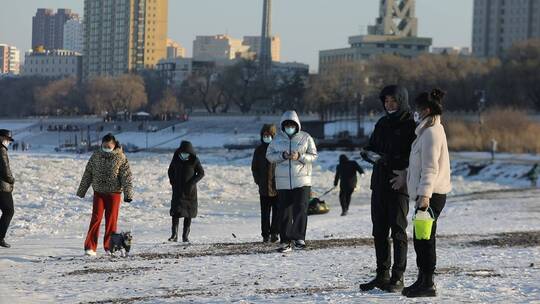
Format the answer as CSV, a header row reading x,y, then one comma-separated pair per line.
x,y
109,174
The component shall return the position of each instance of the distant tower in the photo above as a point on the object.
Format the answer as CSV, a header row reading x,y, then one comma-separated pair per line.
x,y
397,18
265,56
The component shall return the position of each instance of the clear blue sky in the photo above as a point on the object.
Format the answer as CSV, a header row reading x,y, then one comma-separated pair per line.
x,y
305,26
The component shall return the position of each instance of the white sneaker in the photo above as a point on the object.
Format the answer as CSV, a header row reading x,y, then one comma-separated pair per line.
x,y
90,252
285,248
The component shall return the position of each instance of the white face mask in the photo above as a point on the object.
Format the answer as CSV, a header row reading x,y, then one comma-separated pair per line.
x,y
184,156
391,112
106,150
267,139
6,143
290,130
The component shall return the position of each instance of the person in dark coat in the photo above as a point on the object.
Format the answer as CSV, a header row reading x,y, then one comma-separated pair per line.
x,y
391,141
185,171
346,173
264,176
6,187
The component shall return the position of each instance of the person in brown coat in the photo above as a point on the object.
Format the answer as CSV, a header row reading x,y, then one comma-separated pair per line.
x,y
264,177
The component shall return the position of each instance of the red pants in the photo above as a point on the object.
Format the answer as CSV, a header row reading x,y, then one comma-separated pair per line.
x,y
110,203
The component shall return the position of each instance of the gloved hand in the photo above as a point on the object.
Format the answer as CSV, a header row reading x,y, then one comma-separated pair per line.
x,y
127,200
422,202
400,180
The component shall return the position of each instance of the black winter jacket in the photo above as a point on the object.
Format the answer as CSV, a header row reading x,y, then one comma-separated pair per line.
x,y
6,177
346,173
184,176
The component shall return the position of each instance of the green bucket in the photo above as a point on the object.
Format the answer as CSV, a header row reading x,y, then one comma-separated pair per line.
x,y
423,223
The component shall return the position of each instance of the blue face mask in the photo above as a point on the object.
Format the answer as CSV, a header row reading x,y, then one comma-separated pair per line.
x,y
290,130
267,139
184,156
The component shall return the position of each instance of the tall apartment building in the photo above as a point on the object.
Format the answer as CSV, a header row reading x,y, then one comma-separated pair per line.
x,y
499,24
74,35
48,27
123,35
219,47
254,43
10,59
174,50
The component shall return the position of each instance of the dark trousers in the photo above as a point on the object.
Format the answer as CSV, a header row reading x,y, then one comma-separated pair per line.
x,y
176,221
6,205
293,205
269,207
345,198
426,256
389,214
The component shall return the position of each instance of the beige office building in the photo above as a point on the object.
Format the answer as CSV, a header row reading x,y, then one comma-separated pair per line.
x,y
219,47
53,64
395,32
254,43
123,36
10,60
499,24
175,49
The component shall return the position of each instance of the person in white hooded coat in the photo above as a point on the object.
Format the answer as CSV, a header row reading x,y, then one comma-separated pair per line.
x,y
292,151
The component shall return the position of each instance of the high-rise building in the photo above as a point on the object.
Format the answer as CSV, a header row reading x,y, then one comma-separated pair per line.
x,y
395,32
10,59
498,24
74,35
48,27
219,47
174,49
123,35
254,43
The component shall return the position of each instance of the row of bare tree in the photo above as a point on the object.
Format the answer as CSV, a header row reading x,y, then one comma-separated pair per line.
x,y
509,81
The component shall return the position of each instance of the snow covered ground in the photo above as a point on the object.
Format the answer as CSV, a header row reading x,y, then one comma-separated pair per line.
x,y
488,248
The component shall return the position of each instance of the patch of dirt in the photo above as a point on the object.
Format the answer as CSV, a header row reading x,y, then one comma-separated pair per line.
x,y
226,249
297,290
170,294
479,273
119,270
510,239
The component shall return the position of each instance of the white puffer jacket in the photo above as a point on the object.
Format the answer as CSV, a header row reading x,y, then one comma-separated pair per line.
x,y
429,162
291,174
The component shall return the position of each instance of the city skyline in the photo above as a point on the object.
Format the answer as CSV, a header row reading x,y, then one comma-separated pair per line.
x,y
303,32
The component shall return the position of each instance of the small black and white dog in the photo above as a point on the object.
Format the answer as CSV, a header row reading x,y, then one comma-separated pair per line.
x,y
121,242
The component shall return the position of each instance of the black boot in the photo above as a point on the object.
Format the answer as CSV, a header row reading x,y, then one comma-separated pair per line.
x,y
185,233
174,230
274,238
395,284
425,289
414,285
379,281
4,244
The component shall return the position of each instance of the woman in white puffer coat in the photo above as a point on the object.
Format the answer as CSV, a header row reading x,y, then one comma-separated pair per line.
x,y
428,182
292,151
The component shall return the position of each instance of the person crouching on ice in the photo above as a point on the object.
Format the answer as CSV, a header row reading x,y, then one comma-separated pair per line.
x,y
293,151
263,175
109,174
185,171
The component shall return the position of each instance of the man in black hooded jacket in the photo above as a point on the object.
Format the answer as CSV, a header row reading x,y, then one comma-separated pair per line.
x,y
391,141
